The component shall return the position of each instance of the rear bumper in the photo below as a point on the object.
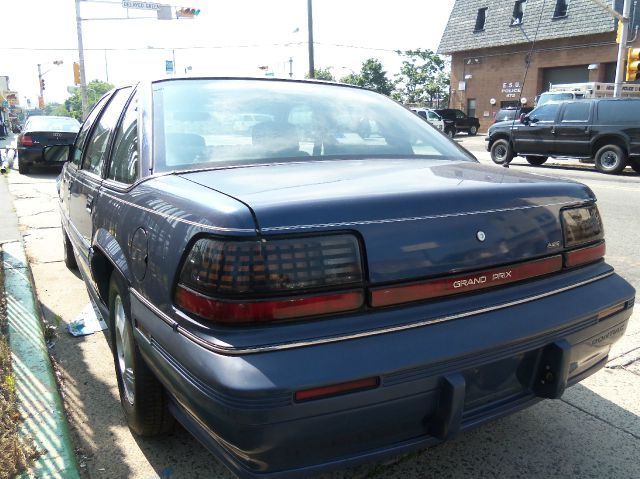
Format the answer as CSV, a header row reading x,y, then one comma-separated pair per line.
x,y
435,381
32,156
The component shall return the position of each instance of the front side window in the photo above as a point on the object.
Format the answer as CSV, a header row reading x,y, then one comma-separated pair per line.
x,y
576,112
545,113
518,12
201,123
96,150
460,115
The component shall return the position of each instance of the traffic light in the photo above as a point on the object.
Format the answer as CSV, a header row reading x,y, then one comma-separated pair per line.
x,y
76,73
633,64
187,12
42,84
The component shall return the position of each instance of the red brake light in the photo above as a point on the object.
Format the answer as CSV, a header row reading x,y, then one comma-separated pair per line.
x,y
26,140
247,281
586,255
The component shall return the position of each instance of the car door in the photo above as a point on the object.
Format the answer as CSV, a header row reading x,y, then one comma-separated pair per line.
x,y
84,190
70,172
573,130
462,120
535,136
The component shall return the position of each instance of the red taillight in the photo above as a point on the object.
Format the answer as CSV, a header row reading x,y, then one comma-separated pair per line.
x,y
387,296
271,310
586,255
336,389
26,140
247,281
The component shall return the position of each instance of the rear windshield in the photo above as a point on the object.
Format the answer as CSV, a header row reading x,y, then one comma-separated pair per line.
x,y
52,123
209,123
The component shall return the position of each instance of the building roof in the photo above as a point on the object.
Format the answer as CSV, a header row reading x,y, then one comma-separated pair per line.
x,y
583,17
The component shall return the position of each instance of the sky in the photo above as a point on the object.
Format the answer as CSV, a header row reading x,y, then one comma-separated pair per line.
x,y
228,38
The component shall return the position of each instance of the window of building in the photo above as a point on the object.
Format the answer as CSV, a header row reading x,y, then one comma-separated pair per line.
x,y
471,107
480,19
561,9
518,12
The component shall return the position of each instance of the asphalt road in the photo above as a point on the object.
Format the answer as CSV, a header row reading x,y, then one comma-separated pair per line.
x,y
593,431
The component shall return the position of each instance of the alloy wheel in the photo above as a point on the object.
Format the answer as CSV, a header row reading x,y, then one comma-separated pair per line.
x,y
124,348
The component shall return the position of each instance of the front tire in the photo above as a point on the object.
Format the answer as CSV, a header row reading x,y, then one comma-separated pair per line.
x,y
141,394
473,131
501,152
69,257
450,132
536,160
610,159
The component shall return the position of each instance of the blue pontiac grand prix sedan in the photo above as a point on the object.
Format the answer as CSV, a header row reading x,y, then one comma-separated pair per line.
x,y
331,282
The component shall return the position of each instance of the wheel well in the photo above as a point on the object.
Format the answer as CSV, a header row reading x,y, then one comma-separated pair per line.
x,y
101,269
609,140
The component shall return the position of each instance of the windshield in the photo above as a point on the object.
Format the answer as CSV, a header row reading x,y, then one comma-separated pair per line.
x,y
209,123
52,123
553,96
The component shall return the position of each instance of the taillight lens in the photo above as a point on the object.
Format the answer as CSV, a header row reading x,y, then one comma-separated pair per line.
x,y
26,140
581,226
249,281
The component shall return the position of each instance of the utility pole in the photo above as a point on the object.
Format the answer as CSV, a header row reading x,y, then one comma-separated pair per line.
x,y
626,10
83,78
312,70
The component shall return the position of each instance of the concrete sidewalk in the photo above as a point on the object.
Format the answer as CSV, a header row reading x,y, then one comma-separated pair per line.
x,y
39,400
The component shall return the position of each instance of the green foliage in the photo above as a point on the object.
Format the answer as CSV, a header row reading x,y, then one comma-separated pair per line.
x,y
422,79
371,76
57,109
95,90
322,74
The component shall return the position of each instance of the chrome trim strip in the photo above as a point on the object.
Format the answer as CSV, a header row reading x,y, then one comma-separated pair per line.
x,y
417,218
232,351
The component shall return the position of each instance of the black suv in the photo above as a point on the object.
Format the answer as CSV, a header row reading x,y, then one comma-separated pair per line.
x,y
457,120
606,130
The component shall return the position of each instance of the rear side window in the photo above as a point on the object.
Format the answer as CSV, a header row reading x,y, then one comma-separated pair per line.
x,y
97,145
576,112
618,112
124,162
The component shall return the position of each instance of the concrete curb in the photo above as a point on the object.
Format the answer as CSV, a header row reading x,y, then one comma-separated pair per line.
x,y
39,400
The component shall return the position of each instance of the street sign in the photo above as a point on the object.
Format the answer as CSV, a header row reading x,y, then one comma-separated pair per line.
x,y
141,5
169,67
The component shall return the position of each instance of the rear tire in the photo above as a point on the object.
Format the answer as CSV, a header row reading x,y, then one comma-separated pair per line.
x,y
501,152
473,131
141,394
610,159
69,257
23,168
536,160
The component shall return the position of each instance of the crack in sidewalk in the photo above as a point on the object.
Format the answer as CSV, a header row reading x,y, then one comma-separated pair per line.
x,y
635,436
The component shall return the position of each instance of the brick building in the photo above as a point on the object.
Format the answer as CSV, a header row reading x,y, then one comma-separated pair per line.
x,y
490,43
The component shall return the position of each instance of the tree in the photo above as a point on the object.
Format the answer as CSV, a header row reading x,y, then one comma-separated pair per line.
x,y
95,90
422,79
371,76
56,109
322,74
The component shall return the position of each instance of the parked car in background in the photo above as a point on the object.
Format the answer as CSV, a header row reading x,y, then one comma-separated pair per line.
x,y
302,302
431,116
42,131
457,121
511,114
605,129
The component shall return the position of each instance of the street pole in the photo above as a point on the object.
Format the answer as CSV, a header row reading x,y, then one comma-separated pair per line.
x,y
41,97
626,10
312,70
83,78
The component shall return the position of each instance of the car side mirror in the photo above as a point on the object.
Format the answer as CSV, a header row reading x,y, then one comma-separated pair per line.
x,y
57,153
